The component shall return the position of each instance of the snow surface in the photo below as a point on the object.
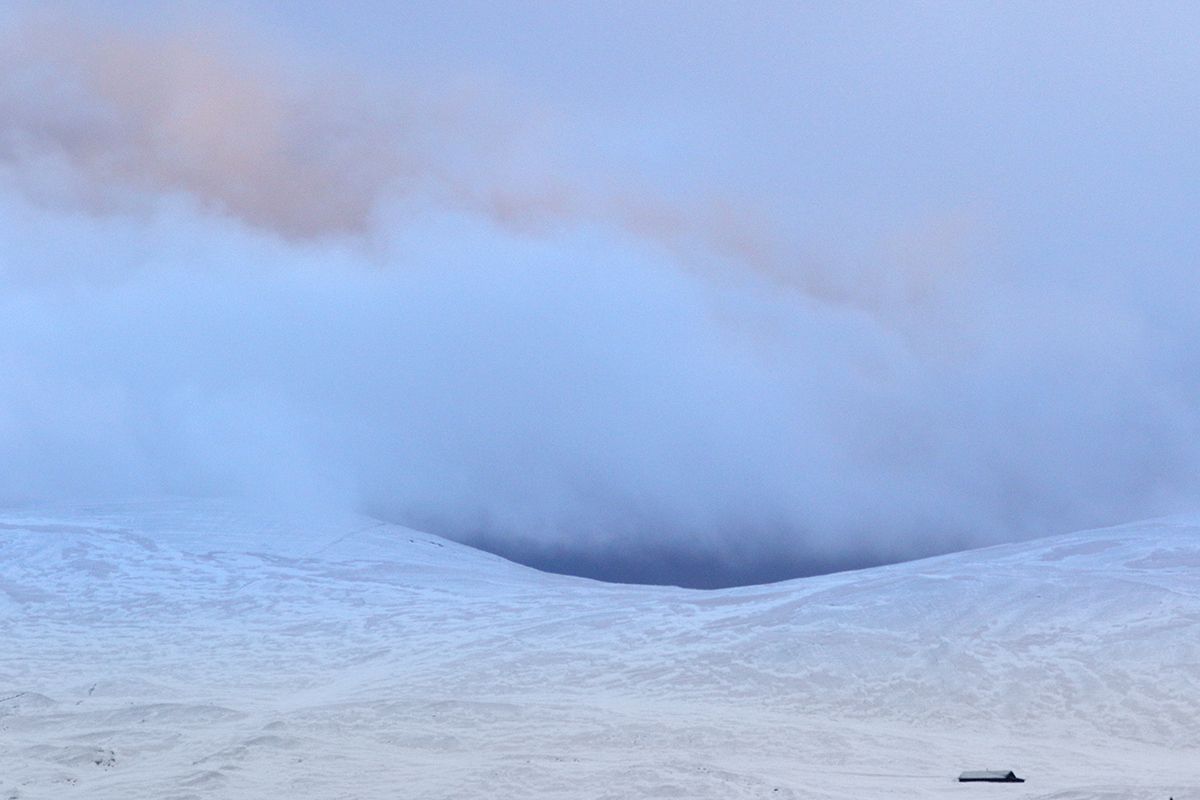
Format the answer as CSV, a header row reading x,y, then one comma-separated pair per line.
x,y
200,650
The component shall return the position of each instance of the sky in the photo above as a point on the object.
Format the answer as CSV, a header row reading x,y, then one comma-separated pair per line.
x,y
692,293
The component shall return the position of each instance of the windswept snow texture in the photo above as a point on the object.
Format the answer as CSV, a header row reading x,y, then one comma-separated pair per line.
x,y
195,650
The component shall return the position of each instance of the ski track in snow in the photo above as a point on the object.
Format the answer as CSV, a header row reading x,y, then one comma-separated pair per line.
x,y
196,649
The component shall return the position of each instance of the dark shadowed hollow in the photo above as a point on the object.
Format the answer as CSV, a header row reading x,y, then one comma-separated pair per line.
x,y
674,566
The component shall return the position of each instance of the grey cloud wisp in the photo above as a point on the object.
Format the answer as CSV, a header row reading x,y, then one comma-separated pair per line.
x,y
235,275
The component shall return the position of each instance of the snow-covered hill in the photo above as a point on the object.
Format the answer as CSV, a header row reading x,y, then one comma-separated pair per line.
x,y
199,650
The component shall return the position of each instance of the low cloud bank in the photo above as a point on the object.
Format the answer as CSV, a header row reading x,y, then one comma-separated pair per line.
x,y
223,276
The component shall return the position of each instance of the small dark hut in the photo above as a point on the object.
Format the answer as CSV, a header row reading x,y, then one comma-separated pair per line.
x,y
990,776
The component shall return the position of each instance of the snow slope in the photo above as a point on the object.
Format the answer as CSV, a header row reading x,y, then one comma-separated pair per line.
x,y
199,650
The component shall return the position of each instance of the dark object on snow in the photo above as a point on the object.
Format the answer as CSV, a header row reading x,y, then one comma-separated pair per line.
x,y
990,776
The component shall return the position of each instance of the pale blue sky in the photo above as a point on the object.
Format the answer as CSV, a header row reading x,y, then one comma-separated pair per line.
x,y
823,284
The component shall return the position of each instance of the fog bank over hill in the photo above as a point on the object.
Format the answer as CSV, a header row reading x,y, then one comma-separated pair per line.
x,y
603,326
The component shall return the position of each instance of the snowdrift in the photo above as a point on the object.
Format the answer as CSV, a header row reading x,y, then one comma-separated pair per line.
x,y
200,650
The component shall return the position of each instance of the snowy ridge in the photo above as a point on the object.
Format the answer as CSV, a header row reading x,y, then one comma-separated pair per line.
x,y
195,649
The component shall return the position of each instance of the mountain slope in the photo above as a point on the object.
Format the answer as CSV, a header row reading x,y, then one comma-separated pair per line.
x,y
196,649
